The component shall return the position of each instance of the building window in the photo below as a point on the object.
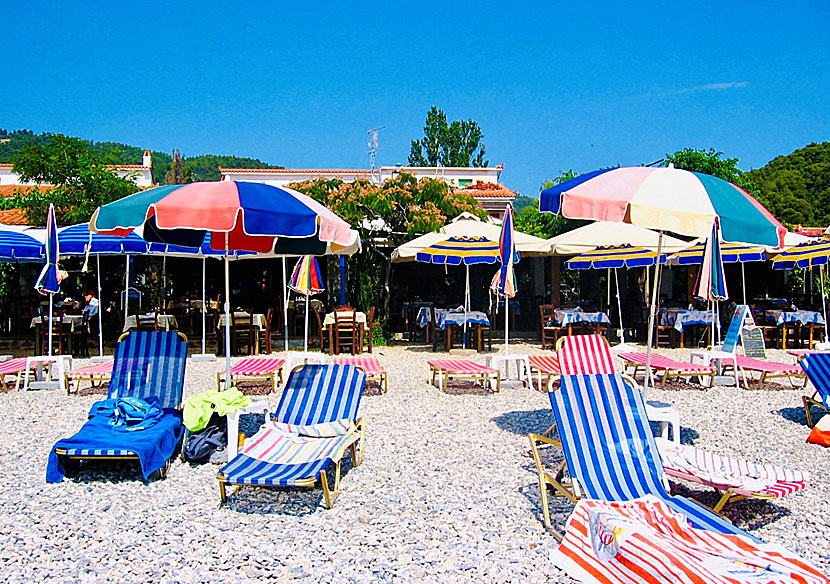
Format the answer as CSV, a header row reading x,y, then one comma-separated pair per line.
x,y
463,182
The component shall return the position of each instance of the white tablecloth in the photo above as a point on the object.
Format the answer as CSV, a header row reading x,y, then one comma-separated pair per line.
x,y
360,318
73,320
167,322
802,316
258,320
566,317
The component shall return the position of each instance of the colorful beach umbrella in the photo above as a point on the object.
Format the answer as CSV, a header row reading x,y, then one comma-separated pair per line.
x,y
19,247
306,280
615,257
457,250
807,255
49,280
711,279
505,283
665,199
238,216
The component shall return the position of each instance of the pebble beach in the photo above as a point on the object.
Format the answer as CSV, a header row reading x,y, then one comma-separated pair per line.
x,y
447,491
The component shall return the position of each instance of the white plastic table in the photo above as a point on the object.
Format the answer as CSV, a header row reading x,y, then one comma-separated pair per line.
x,y
258,406
522,366
717,357
667,417
44,364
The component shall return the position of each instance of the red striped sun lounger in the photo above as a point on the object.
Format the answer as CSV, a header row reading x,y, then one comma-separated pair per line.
x,y
733,478
669,367
95,373
769,370
370,365
544,365
253,369
644,540
443,370
14,367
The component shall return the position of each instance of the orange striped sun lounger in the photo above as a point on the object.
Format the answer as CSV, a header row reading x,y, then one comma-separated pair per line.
x,y
14,367
255,369
769,370
370,365
95,373
544,365
443,370
733,478
646,541
667,366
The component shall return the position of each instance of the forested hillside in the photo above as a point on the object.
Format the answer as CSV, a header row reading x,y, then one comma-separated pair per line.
x,y
202,167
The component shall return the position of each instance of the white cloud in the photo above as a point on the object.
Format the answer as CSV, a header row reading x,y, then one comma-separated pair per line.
x,y
712,87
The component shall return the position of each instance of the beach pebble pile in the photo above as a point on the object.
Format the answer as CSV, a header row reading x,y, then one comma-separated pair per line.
x,y
447,491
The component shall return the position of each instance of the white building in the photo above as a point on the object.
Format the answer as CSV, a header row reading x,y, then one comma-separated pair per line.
x,y
480,182
140,174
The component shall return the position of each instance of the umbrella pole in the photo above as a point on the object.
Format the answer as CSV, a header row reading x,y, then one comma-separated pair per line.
x,y
285,304
163,284
608,291
466,303
506,329
227,316
305,334
50,323
823,303
204,304
653,310
100,306
743,281
619,306
127,292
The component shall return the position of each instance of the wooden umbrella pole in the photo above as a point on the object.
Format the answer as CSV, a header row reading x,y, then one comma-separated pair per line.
x,y
653,310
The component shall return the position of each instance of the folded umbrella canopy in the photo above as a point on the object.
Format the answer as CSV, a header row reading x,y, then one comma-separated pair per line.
x,y
236,215
49,280
504,282
666,199
711,279
467,250
730,253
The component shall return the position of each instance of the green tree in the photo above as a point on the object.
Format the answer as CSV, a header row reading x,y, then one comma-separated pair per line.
x,y
387,216
82,182
711,162
546,225
178,174
455,144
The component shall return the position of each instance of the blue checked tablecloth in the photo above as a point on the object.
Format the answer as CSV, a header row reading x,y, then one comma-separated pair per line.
x,y
686,317
802,316
566,317
445,317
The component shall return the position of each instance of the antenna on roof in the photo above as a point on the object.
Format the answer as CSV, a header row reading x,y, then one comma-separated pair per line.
x,y
373,150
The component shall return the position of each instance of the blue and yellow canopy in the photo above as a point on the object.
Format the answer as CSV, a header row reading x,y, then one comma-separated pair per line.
x,y
460,250
615,256
730,253
803,255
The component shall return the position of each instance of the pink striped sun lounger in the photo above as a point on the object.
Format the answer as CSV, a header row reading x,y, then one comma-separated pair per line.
x,y
646,541
769,370
255,369
733,478
667,366
547,366
14,367
370,365
443,370
95,373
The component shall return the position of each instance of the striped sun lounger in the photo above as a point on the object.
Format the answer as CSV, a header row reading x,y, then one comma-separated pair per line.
x,y
441,371
646,541
610,452
314,395
546,366
96,373
14,367
636,364
253,369
769,370
370,365
817,368
733,478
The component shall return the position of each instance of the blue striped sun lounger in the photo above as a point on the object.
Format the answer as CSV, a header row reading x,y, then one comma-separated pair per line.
x,y
146,365
610,452
314,396
817,368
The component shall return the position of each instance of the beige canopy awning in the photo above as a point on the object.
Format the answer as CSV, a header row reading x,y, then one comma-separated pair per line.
x,y
589,237
470,225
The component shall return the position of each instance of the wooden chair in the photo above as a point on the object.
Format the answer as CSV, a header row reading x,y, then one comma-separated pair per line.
x,y
436,334
549,328
370,327
346,332
264,334
322,332
79,337
56,322
664,335
242,332
147,322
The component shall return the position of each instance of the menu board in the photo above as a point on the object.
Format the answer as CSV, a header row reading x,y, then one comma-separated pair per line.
x,y
752,339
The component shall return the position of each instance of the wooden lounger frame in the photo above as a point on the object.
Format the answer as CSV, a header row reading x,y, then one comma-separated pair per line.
x,y
479,376
273,377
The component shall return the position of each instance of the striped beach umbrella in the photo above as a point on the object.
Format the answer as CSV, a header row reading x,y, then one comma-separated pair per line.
x,y
306,280
615,257
711,279
19,247
730,253
467,250
665,199
49,280
807,255
505,285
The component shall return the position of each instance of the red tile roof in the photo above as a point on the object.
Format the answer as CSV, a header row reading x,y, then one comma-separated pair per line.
x,y
11,190
12,217
482,190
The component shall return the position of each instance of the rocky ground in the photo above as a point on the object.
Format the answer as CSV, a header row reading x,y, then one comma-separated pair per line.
x,y
447,491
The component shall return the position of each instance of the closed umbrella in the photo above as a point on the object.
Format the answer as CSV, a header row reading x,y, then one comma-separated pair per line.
x,y
711,279
665,199
807,255
237,215
729,252
615,257
467,250
306,280
49,280
504,283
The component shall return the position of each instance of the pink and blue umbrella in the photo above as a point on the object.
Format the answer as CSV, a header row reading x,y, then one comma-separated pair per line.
x,y
504,283
49,282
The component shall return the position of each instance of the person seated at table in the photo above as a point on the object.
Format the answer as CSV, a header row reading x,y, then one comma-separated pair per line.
x,y
91,303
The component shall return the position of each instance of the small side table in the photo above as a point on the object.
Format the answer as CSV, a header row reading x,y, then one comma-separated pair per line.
x,y
667,417
258,406
717,357
43,364
522,366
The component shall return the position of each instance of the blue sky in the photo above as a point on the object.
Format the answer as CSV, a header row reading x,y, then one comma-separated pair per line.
x,y
553,85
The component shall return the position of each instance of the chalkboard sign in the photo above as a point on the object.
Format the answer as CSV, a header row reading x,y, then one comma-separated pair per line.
x,y
752,339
